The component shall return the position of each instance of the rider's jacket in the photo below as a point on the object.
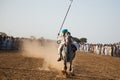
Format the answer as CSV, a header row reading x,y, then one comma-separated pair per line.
x,y
65,39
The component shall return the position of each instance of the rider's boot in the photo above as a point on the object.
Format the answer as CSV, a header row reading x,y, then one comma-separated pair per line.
x,y
59,59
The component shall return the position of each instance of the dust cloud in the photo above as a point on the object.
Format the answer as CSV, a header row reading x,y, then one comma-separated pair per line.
x,y
46,50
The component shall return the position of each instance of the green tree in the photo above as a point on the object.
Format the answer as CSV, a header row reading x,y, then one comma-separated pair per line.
x,y
3,34
76,39
83,40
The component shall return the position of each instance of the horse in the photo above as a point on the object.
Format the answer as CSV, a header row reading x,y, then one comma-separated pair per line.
x,y
68,58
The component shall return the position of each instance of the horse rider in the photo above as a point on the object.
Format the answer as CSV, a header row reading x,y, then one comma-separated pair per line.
x,y
66,40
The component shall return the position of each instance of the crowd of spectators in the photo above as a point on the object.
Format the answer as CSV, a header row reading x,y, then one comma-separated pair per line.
x,y
15,43
9,43
102,49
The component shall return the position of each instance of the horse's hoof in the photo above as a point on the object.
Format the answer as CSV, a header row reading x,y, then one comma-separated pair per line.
x,y
72,74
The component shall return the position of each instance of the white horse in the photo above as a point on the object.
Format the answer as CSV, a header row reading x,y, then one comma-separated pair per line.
x,y
68,58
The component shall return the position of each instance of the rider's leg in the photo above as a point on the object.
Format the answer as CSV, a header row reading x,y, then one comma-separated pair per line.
x,y
60,52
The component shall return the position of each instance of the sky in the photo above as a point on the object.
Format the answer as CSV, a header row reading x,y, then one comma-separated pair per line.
x,y
96,20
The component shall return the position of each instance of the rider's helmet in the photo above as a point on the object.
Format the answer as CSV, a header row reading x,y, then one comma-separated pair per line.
x,y
64,31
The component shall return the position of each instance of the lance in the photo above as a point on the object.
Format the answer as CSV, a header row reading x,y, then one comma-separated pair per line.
x,y
65,16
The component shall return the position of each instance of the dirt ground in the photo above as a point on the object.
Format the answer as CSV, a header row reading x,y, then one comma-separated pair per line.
x,y
88,66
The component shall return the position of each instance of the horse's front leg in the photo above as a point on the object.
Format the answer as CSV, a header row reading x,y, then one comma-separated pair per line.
x,y
71,69
64,71
65,65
